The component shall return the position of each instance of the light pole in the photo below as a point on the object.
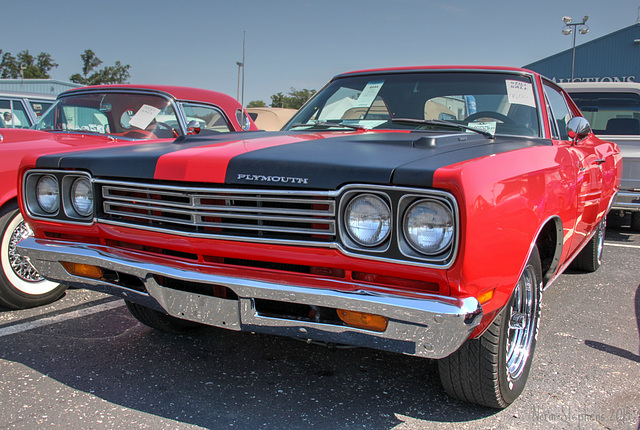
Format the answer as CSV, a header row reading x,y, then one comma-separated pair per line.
x,y
240,65
571,27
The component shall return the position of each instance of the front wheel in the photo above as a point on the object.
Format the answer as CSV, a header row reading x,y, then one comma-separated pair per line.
x,y
492,370
21,286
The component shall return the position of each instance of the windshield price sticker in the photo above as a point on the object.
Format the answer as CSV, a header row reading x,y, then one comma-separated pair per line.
x,y
489,126
520,93
369,94
144,116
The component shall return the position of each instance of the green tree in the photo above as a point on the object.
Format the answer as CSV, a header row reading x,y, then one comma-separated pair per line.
x,y
256,103
26,65
116,74
294,99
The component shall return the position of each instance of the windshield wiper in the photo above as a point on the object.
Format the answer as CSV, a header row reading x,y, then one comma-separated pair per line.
x,y
329,125
486,134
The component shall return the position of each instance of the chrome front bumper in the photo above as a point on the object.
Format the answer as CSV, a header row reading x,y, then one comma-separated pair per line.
x,y
424,325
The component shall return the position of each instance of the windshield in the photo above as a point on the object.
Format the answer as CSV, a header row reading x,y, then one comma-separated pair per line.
x,y
119,114
498,103
610,113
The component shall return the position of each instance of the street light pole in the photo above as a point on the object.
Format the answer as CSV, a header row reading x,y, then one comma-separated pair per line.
x,y
244,39
240,65
569,28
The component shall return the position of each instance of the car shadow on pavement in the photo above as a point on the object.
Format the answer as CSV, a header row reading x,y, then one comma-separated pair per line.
x,y
218,378
614,349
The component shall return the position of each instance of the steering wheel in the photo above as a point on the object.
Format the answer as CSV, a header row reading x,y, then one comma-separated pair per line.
x,y
489,114
162,125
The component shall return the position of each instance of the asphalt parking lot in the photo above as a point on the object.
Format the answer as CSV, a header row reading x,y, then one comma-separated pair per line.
x,y
85,363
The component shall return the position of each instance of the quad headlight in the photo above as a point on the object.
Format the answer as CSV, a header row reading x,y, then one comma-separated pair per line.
x,y
82,196
428,226
48,194
367,219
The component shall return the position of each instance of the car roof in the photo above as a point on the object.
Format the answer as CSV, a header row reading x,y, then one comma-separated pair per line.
x,y
177,92
26,95
437,68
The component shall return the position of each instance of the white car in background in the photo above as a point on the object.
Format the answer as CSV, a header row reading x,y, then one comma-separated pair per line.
x,y
21,110
613,110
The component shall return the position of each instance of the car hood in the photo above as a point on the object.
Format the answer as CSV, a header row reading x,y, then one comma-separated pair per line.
x,y
34,143
325,160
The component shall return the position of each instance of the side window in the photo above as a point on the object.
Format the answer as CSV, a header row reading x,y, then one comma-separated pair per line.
x,y
210,118
13,114
559,111
40,107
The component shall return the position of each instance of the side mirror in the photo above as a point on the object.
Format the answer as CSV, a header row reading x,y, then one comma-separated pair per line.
x,y
578,128
193,127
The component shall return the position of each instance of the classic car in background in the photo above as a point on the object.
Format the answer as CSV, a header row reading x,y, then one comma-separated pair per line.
x,y
92,117
613,109
21,110
415,210
270,118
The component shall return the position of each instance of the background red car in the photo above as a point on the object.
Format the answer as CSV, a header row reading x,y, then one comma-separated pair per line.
x,y
95,117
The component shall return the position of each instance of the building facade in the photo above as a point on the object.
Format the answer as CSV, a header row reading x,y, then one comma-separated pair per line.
x,y
614,57
51,87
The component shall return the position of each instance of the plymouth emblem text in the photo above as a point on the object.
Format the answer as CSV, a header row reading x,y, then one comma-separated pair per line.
x,y
263,178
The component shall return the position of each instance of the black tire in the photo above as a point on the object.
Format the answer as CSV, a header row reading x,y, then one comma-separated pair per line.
x,y
635,221
161,321
492,370
21,286
590,258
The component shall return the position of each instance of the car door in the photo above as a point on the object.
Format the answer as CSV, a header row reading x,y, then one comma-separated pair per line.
x,y
588,159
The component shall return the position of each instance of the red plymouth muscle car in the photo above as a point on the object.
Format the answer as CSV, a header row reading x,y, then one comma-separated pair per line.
x,y
92,117
417,210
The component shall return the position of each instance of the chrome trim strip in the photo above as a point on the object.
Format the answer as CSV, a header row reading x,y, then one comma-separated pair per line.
x,y
425,325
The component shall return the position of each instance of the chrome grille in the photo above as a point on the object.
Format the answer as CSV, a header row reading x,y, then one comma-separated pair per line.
x,y
243,214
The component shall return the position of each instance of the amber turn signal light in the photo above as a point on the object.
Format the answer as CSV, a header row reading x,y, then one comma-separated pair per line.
x,y
485,296
363,320
84,270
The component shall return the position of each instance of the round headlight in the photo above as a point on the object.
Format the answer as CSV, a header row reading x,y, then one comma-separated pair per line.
x,y
48,194
82,197
368,220
428,226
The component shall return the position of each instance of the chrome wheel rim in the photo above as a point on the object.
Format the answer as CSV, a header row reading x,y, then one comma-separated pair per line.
x,y
20,265
522,323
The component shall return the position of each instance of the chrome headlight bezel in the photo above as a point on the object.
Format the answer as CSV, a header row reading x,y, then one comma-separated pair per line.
x,y
68,210
397,247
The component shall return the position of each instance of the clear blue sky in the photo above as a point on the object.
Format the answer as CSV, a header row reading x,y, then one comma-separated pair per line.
x,y
295,43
